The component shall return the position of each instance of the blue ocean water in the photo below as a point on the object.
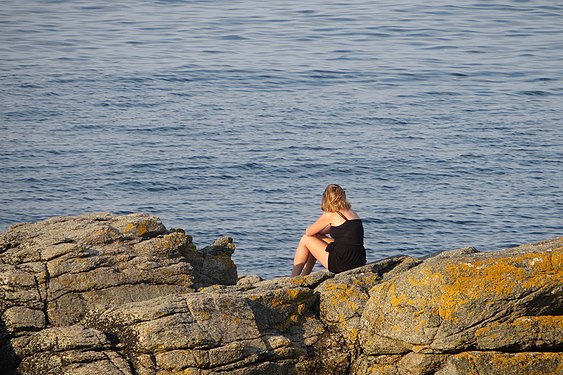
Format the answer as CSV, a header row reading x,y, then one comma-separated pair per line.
x,y
443,120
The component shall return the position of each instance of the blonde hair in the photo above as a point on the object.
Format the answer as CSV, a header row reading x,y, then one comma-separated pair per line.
x,y
334,199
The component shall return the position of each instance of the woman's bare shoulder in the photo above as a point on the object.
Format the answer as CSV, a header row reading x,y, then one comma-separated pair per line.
x,y
350,214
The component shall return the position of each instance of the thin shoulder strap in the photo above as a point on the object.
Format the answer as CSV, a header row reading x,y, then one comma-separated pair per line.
x,y
342,215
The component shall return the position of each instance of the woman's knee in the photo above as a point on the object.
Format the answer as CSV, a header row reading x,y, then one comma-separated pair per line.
x,y
303,239
308,240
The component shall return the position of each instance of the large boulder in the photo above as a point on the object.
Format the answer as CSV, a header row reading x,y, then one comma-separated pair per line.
x,y
54,272
456,302
111,294
500,302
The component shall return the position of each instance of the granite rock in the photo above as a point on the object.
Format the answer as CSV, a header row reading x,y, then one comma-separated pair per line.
x,y
103,293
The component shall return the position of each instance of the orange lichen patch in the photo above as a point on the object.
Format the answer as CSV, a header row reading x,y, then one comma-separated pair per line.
x,y
276,303
487,330
139,228
470,281
294,318
546,320
340,303
397,328
350,305
341,294
297,280
352,334
496,278
401,299
426,278
288,306
447,289
130,227
329,286
202,315
292,293
231,318
283,298
420,325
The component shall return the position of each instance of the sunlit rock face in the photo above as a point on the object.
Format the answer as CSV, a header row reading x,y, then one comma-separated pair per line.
x,y
122,294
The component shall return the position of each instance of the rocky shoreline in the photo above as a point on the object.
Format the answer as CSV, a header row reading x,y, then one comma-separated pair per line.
x,y
107,294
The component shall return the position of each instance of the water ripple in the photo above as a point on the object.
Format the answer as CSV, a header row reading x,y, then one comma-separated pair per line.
x,y
443,120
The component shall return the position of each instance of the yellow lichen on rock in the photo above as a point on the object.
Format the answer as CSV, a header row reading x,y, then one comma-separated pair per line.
x,y
496,279
139,225
137,228
498,363
293,293
400,299
439,304
345,298
459,283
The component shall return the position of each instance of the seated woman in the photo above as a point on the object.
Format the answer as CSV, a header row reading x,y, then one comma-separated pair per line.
x,y
336,239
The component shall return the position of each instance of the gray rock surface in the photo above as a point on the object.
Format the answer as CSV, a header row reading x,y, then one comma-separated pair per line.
x,y
102,293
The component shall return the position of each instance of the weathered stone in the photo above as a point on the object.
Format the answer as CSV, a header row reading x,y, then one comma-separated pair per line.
x,y
19,318
527,333
211,330
380,365
69,350
421,364
101,293
18,288
217,267
55,272
249,280
60,339
144,226
498,363
447,299
76,363
342,299
410,364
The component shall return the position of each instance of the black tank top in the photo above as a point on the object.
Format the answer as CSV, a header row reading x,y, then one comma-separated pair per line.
x,y
348,250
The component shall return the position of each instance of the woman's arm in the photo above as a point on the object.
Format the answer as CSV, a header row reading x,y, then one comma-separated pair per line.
x,y
326,230
321,226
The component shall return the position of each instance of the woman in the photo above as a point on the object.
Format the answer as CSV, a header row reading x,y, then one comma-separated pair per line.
x,y
344,249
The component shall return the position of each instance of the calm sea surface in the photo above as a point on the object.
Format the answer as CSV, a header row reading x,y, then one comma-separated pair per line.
x,y
443,120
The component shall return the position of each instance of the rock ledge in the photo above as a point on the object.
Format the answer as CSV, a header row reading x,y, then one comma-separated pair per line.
x,y
109,294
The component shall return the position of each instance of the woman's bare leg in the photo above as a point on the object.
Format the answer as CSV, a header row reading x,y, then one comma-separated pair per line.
x,y
310,247
300,258
309,265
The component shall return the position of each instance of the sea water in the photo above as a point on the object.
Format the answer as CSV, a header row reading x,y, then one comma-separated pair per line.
x,y
441,119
